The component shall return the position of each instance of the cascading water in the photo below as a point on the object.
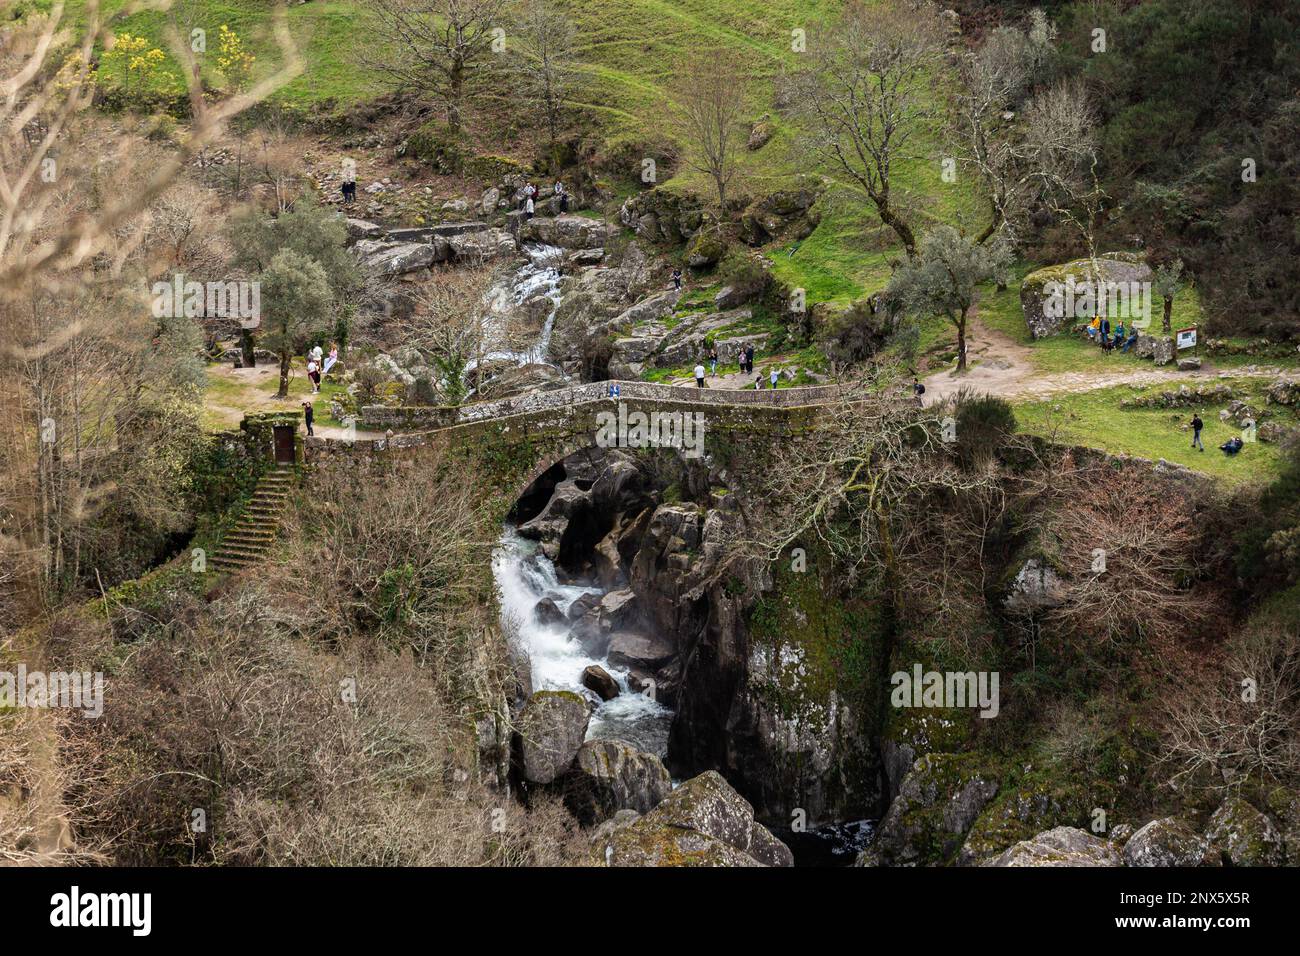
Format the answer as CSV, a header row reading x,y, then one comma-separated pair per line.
x,y
540,275
524,576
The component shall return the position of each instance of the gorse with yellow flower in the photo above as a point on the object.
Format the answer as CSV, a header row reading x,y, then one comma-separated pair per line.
x,y
234,62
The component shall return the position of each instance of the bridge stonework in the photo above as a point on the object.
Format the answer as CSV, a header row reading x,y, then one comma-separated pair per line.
x,y
510,443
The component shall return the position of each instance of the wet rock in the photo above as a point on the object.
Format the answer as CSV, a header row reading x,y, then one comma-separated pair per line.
x,y
597,679
611,775
550,731
1168,842
640,651
1120,833
1244,835
547,612
1063,846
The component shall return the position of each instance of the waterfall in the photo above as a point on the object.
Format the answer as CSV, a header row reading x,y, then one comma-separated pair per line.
x,y
539,274
523,577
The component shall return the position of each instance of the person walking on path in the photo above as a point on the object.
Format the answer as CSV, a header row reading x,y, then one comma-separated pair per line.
x,y
313,373
713,362
308,416
775,376
1197,425
349,189
677,279
562,196
699,376
918,390
749,360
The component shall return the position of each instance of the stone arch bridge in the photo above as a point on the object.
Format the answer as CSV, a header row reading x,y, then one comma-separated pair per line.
x,y
511,442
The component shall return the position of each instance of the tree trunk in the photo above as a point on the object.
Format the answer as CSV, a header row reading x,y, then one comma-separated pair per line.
x,y
901,229
284,376
1169,311
961,342
247,354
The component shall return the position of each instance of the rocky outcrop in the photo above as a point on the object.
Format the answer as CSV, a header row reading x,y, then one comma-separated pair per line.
x,y
704,822
1063,846
659,215
1244,835
609,776
1036,587
1168,842
936,804
1037,288
550,731
567,232
787,212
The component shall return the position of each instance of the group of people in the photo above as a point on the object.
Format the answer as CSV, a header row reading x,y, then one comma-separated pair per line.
x,y
1099,331
745,358
316,368
530,194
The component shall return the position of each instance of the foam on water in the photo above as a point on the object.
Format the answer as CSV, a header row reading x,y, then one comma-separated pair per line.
x,y
523,577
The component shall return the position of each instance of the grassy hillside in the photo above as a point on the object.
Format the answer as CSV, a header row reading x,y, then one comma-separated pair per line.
x,y
627,53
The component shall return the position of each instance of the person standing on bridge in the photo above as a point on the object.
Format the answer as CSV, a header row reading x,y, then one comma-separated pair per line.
x,y
749,360
699,376
776,376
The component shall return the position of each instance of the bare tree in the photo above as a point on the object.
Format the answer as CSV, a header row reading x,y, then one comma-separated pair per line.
x,y
435,46
450,324
861,95
543,44
711,102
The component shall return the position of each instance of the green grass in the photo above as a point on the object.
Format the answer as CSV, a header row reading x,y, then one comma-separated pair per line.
x,y
1095,419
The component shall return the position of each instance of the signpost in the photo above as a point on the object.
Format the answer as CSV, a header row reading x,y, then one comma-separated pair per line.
x,y
1185,338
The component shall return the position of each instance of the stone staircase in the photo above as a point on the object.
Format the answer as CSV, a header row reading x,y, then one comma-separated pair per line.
x,y
249,541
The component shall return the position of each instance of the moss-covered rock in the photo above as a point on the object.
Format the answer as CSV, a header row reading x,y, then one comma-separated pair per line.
x,y
1244,835
1037,287
551,729
1036,805
935,807
705,250
1062,846
704,822
1169,841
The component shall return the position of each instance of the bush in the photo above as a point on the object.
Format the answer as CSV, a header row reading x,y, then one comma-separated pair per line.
x,y
983,424
438,145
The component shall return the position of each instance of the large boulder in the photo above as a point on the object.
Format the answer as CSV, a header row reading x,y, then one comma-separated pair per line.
x,y
643,652
567,232
1036,292
660,215
596,678
1063,846
1168,842
610,775
1244,835
704,822
936,804
397,258
551,730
